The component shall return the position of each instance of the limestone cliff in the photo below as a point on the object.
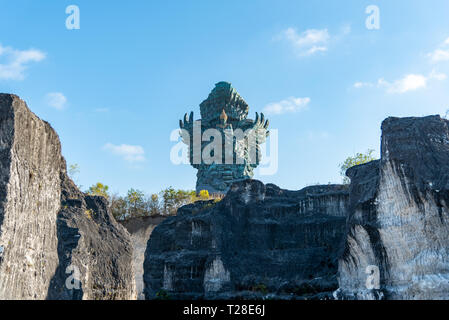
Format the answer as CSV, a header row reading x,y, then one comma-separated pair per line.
x,y
51,234
259,241
140,230
398,217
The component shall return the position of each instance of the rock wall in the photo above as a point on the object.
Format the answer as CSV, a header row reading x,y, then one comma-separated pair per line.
x,y
29,201
398,216
140,230
259,241
51,234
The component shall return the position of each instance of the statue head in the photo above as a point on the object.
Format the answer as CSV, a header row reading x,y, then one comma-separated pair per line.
x,y
224,98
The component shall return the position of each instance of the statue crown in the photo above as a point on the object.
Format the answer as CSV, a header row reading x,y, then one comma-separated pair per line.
x,y
224,98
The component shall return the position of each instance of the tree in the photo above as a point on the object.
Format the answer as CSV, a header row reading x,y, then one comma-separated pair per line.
x,y
357,159
99,189
174,199
153,206
135,203
204,195
169,198
73,171
118,207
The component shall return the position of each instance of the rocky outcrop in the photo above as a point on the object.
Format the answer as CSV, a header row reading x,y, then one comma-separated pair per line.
x,y
259,241
398,233
55,242
140,229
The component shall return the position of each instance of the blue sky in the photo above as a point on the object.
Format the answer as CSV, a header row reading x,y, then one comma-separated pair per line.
x,y
116,88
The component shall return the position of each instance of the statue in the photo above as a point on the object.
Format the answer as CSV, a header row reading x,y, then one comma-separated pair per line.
x,y
224,145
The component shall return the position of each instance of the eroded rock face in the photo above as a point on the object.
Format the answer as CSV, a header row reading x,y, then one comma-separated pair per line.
x,y
29,201
258,241
140,230
398,216
47,226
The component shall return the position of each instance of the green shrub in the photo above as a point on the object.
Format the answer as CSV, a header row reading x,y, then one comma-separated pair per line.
x,y
162,295
260,288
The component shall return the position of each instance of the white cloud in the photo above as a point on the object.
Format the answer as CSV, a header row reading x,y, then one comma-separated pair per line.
x,y
359,85
56,100
413,82
311,41
409,82
437,75
288,105
129,153
441,53
316,49
308,42
13,63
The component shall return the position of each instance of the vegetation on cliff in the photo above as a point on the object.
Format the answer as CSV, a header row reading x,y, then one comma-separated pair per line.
x,y
352,161
137,204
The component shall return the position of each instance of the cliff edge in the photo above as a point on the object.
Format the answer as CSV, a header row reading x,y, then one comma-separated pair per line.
x,y
55,242
397,231
258,242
